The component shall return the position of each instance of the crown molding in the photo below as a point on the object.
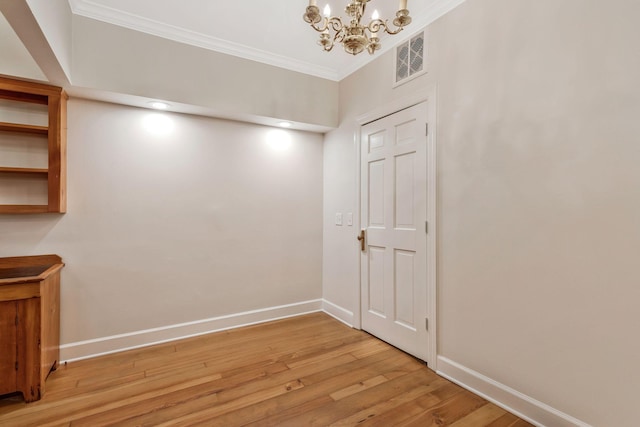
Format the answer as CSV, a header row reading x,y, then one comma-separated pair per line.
x,y
93,10
99,12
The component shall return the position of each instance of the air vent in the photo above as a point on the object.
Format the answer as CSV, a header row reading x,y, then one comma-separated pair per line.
x,y
410,59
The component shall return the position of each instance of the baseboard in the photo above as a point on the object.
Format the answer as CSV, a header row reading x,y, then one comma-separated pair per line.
x,y
116,343
339,313
525,407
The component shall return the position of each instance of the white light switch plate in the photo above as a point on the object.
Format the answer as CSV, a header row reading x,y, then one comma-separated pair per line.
x,y
349,219
339,218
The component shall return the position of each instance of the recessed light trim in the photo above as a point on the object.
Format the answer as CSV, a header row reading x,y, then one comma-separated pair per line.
x,y
159,105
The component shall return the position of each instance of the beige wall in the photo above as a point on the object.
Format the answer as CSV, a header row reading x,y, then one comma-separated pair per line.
x,y
539,197
202,221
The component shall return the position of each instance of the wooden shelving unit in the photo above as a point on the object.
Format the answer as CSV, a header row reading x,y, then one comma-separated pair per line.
x,y
54,98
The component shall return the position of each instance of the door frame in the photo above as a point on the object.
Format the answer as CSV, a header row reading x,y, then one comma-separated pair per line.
x,y
428,95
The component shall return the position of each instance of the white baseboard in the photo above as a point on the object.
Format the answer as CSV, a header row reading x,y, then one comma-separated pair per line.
x,y
116,343
525,407
341,314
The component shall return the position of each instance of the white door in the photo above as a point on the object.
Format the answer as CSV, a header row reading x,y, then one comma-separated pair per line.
x,y
393,217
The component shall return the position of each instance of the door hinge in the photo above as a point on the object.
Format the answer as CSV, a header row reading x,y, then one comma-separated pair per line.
x,y
16,366
426,227
426,323
16,320
426,129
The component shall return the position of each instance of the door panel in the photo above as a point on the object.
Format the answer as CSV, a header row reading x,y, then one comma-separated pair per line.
x,y
376,192
404,287
394,209
8,353
376,282
405,191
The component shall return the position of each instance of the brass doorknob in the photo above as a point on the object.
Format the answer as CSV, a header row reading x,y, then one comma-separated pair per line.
x,y
361,237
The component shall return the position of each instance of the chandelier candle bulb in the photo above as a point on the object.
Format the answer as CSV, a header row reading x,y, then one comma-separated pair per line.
x,y
403,4
312,2
375,16
327,11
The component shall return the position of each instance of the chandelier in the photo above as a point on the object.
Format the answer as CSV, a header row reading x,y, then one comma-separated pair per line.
x,y
353,36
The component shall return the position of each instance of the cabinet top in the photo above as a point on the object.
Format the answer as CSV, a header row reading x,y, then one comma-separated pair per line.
x,y
28,269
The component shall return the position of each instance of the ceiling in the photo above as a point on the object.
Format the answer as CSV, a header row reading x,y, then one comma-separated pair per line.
x,y
268,31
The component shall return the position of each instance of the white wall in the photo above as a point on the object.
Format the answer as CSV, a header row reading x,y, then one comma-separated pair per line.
x,y
203,220
539,199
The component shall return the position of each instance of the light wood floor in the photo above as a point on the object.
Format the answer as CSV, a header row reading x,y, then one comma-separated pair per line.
x,y
304,371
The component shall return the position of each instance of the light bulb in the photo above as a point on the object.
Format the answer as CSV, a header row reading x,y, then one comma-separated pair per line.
x,y
375,15
327,11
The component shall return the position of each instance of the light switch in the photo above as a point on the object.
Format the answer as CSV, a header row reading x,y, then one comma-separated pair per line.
x,y
349,219
339,218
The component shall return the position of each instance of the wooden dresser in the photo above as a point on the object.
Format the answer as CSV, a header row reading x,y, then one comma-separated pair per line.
x,y
29,323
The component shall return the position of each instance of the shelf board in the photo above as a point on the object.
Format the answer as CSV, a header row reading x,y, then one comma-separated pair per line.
x,y
33,129
22,209
24,170
23,97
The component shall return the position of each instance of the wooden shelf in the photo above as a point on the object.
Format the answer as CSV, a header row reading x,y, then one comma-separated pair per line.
x,y
18,95
23,209
54,98
24,170
15,127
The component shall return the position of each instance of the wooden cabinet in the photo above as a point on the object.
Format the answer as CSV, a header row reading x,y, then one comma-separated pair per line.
x,y
29,323
19,101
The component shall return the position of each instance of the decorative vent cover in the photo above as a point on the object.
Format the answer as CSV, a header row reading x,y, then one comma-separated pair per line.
x,y
410,57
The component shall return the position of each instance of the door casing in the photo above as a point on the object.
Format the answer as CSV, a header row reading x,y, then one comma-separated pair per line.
x,y
428,95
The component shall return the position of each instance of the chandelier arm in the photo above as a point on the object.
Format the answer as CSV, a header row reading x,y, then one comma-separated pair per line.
x,y
339,36
325,25
392,32
378,24
375,25
335,23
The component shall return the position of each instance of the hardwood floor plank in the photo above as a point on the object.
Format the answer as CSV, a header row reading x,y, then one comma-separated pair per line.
x,y
508,420
241,402
388,406
447,412
305,371
117,415
49,413
360,386
412,408
317,388
482,417
337,410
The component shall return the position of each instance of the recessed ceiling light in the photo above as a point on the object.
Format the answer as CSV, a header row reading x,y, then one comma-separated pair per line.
x,y
158,105
285,124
